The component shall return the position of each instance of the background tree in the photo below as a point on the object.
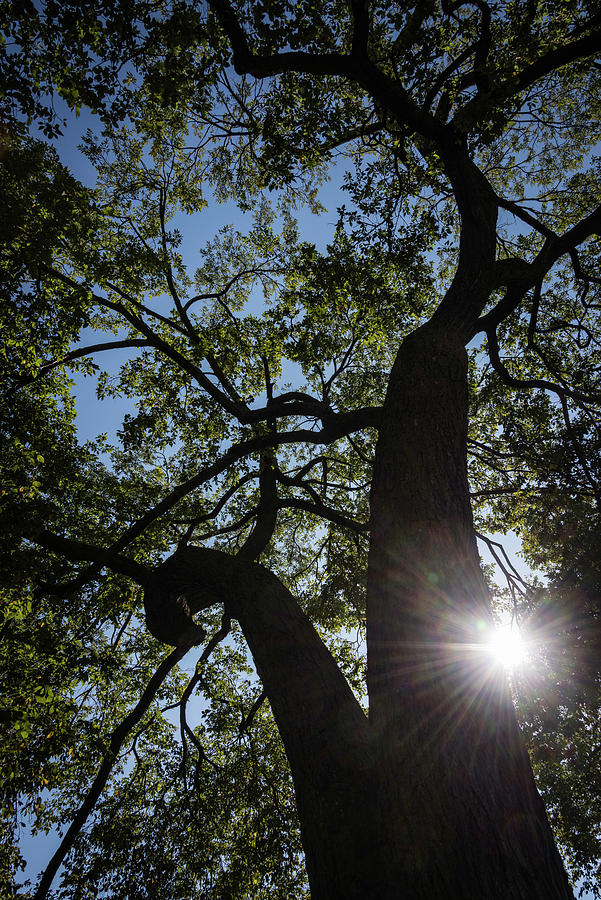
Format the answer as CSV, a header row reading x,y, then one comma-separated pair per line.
x,y
308,445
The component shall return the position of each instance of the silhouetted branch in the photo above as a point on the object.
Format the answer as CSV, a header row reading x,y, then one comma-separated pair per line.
x,y
79,353
510,380
116,742
513,577
248,719
78,550
185,729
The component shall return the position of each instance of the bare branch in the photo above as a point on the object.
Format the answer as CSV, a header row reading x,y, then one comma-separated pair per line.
x,y
523,214
233,526
198,520
338,426
221,293
524,383
193,334
513,577
220,635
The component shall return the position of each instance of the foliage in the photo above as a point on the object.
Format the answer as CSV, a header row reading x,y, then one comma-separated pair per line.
x,y
264,361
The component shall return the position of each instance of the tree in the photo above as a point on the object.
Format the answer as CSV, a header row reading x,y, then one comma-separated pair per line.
x,y
302,514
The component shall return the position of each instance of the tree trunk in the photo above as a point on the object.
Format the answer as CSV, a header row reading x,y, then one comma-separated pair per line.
x,y
456,786
433,796
326,735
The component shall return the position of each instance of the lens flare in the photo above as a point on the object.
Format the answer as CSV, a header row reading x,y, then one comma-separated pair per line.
x,y
507,646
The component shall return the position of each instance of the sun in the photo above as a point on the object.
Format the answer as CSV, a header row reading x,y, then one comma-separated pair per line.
x,y
507,646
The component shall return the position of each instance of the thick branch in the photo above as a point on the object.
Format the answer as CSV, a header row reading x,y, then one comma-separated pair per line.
x,y
360,11
78,550
339,425
521,276
359,69
554,60
475,198
290,657
325,512
480,107
267,511
523,214
514,295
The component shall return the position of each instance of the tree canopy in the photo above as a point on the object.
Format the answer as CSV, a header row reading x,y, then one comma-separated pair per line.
x,y
163,587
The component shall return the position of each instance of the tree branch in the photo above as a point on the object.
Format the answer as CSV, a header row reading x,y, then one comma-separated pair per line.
x,y
76,551
78,354
360,11
220,635
117,739
217,508
267,511
325,512
520,275
339,425
553,60
248,719
235,409
507,378
360,69
169,272
594,485
480,106
523,214
512,576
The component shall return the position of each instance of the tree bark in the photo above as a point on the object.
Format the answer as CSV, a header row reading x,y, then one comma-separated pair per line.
x,y
327,738
456,786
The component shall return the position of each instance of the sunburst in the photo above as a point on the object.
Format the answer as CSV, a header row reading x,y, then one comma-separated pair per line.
x,y
507,646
